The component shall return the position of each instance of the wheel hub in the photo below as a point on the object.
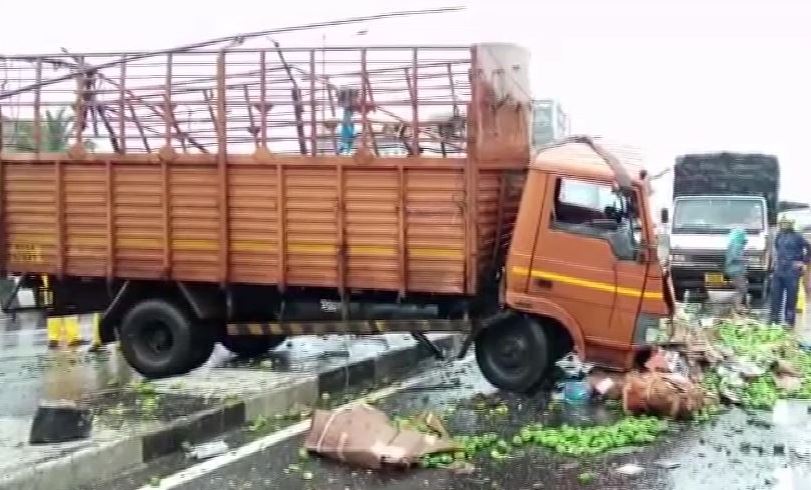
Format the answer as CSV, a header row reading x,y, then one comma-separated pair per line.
x,y
158,339
510,352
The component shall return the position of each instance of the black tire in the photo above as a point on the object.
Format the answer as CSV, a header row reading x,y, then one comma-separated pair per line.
x,y
204,345
159,339
251,345
679,294
514,355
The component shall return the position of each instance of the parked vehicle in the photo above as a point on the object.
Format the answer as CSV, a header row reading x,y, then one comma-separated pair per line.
x,y
714,193
232,206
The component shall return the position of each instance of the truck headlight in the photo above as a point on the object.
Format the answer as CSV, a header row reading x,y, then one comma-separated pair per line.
x,y
678,258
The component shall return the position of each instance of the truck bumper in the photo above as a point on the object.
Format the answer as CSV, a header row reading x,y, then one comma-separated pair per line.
x,y
693,278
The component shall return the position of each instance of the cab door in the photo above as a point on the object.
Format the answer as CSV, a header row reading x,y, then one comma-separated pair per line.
x,y
573,263
634,274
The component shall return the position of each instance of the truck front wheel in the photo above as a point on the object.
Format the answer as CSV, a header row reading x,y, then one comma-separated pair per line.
x,y
159,339
514,355
251,345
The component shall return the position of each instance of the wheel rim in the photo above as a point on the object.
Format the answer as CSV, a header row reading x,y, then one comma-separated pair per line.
x,y
509,351
156,340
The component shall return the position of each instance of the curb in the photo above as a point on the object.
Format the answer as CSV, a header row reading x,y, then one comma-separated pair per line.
x,y
78,469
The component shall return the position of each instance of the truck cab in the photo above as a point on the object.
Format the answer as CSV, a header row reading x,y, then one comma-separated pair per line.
x,y
583,264
698,241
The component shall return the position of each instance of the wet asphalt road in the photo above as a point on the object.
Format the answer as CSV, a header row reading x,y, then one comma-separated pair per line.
x,y
739,448
743,450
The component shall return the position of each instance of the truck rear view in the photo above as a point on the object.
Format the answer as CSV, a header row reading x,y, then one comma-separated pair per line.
x,y
714,193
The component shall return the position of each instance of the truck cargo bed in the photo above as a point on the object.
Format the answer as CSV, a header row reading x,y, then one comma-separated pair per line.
x,y
193,185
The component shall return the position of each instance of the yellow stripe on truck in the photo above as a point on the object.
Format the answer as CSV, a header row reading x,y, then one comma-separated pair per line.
x,y
202,245
585,283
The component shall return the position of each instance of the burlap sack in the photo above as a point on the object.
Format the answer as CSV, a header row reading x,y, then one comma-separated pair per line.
x,y
364,436
662,394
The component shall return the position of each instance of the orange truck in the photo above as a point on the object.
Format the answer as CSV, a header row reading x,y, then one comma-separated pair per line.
x,y
244,195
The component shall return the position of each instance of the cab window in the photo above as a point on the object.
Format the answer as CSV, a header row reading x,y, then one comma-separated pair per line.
x,y
596,210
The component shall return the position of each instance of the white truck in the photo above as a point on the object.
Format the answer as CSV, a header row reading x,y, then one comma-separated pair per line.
x,y
712,194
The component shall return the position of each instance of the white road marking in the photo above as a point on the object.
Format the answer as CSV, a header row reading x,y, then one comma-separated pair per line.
x,y
194,472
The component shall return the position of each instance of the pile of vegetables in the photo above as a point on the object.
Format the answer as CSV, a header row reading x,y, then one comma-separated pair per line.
x,y
565,440
762,345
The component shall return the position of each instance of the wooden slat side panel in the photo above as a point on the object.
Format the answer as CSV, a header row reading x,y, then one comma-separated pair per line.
x,y
30,217
371,233
310,217
487,215
85,205
193,221
435,234
512,182
138,221
514,186
253,227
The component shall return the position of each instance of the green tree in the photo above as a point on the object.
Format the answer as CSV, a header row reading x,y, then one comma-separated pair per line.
x,y
55,131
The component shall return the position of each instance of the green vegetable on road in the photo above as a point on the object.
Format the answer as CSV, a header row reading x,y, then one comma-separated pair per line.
x,y
586,477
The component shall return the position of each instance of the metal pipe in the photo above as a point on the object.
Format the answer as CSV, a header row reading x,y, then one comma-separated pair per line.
x,y
239,39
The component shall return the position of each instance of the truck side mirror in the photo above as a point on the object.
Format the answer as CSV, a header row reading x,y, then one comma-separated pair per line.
x,y
665,216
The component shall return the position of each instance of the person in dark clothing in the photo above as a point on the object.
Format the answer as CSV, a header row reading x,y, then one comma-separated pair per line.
x,y
792,254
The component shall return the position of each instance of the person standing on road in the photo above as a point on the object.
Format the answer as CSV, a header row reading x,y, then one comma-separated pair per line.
x,y
792,254
735,267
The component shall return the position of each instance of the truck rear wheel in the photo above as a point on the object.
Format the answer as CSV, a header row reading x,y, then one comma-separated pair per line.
x,y
251,345
159,339
514,355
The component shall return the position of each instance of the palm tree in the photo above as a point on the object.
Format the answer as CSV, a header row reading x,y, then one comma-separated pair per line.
x,y
55,131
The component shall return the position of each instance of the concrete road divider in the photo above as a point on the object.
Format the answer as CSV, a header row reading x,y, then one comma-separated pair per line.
x,y
243,395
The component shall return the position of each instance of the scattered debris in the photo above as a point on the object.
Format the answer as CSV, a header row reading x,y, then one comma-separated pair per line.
x,y
573,367
788,383
667,464
630,469
576,392
662,394
208,450
586,477
606,385
462,468
60,421
364,436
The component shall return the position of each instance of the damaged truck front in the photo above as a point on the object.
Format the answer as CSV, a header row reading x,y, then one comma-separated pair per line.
x,y
241,196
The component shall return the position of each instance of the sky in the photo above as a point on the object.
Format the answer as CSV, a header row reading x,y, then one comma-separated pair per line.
x,y
668,77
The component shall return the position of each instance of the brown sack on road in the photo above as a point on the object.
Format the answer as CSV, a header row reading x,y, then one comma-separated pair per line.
x,y
364,436
662,394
